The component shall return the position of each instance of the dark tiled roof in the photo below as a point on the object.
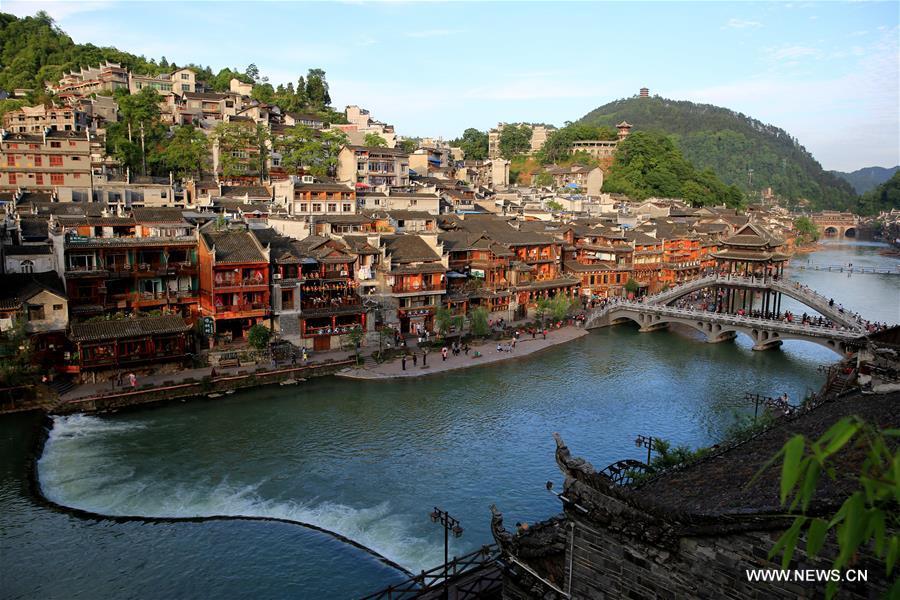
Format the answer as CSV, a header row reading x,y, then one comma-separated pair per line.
x,y
115,329
409,248
721,484
234,246
34,228
30,249
157,215
254,191
16,288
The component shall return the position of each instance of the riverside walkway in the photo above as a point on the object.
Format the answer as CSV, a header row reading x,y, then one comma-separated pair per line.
x,y
525,346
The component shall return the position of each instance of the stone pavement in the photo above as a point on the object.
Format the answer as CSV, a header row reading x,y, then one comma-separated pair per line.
x,y
525,346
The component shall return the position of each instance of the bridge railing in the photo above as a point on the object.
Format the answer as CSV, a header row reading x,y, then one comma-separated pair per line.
x,y
728,319
816,300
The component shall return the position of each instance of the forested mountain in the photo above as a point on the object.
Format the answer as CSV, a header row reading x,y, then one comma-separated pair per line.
x,y
882,198
868,178
731,144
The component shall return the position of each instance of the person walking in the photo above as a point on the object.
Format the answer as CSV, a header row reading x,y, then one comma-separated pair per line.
x,y
403,363
415,359
444,353
424,358
305,356
513,345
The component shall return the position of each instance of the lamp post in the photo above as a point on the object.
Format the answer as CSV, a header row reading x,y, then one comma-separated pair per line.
x,y
450,524
647,442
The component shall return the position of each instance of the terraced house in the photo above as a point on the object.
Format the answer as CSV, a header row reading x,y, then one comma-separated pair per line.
x,y
234,280
145,262
44,161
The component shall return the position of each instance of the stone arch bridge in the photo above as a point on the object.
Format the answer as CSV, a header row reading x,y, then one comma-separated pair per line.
x,y
836,224
718,327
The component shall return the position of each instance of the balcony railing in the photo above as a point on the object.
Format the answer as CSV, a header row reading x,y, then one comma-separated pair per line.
x,y
405,288
240,283
236,308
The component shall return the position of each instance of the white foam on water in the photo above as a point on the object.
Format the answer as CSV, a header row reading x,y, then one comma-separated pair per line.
x,y
74,471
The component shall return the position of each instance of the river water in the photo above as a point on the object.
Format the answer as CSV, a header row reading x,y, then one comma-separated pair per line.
x,y
369,460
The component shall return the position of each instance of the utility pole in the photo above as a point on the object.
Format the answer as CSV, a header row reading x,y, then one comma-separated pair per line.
x,y
750,178
143,153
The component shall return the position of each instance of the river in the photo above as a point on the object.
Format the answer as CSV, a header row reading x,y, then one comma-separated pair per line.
x,y
369,460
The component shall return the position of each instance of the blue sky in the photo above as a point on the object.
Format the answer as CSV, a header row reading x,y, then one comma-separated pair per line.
x,y
826,72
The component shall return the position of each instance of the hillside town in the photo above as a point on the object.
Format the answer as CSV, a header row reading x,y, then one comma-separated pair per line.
x,y
108,270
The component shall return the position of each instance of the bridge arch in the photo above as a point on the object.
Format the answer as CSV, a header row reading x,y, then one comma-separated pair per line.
x,y
850,232
830,231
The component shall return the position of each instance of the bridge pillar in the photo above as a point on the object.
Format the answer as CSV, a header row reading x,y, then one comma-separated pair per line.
x,y
715,337
764,340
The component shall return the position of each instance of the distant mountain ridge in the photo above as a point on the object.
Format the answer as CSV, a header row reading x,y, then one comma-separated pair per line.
x,y
732,144
867,178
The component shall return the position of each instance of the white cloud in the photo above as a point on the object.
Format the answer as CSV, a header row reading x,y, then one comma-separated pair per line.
x,y
58,9
741,24
430,33
792,52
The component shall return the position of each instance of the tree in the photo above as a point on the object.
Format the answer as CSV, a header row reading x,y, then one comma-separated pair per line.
x,y
317,89
316,152
258,336
514,140
807,230
474,144
868,517
559,306
15,353
544,179
243,148
252,72
478,321
409,146
554,206
631,286
355,336
136,140
883,198
558,146
187,152
541,308
374,140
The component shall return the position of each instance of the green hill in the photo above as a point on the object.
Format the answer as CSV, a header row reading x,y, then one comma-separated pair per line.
x,y
731,144
867,178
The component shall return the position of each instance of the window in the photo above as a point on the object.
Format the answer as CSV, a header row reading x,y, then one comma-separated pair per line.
x,y
36,313
27,266
346,208
71,143
12,178
10,160
317,207
332,207
185,87
13,146
304,207
57,178
56,161
57,307
38,160
39,179
185,75
77,175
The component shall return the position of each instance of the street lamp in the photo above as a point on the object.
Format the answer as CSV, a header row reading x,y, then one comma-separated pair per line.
x,y
450,525
647,442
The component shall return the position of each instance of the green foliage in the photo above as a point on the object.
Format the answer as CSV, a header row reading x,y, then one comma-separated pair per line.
x,y
474,144
631,286
138,112
560,305
187,152
238,136
317,89
559,143
730,144
355,337
867,178
544,179
33,51
9,105
553,204
478,321
883,198
667,457
374,140
446,321
259,336
868,517
648,164
408,146
315,152
515,140
15,354
807,229
222,80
